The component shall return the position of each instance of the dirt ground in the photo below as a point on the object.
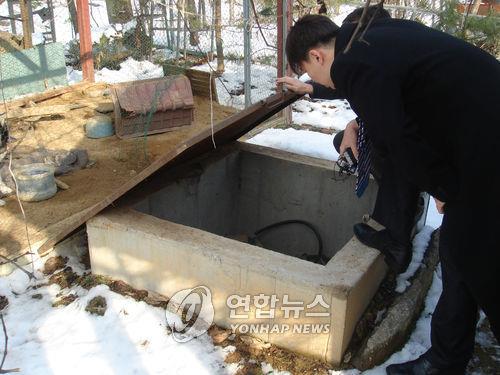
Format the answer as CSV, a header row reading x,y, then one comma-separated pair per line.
x,y
113,162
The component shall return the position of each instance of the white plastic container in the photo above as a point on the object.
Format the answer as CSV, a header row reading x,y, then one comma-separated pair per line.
x,y
35,182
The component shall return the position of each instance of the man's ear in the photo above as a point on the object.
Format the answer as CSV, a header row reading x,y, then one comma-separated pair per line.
x,y
317,55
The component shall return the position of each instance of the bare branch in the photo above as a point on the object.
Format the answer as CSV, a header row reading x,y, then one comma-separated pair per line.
x,y
379,7
358,27
258,24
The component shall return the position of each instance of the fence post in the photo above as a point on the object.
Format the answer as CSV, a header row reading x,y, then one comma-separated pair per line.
x,y
212,31
247,53
178,33
287,112
184,31
280,38
50,5
86,57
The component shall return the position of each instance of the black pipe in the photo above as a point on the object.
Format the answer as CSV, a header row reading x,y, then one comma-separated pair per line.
x,y
319,257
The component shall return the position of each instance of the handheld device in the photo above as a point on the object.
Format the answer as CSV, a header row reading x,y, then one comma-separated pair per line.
x,y
347,162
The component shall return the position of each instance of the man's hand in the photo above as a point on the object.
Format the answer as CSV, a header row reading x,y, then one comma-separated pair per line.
x,y
439,205
350,138
295,85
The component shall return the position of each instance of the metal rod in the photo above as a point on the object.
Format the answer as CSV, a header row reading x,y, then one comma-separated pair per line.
x,y
287,24
212,30
184,32
247,53
178,34
171,24
279,23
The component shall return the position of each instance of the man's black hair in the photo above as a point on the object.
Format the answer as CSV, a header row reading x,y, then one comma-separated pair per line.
x,y
355,15
308,32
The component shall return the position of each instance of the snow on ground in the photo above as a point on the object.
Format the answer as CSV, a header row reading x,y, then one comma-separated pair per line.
x,y
130,70
303,142
130,338
434,218
263,78
420,242
326,114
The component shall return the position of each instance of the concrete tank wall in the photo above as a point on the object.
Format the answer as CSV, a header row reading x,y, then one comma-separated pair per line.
x,y
237,191
240,192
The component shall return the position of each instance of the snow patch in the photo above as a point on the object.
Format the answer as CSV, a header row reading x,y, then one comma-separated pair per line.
x,y
303,142
325,114
420,244
130,70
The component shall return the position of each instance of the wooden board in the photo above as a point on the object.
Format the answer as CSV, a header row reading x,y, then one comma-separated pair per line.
x,y
113,163
49,94
200,83
46,110
224,132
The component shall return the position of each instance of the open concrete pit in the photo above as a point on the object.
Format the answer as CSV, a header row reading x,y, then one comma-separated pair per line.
x,y
194,231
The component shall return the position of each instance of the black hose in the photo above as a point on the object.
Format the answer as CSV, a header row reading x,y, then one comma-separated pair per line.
x,y
320,256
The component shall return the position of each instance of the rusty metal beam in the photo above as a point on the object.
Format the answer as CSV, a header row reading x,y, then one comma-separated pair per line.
x,y
284,22
86,57
280,39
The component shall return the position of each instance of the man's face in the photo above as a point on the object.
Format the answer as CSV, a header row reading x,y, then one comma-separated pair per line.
x,y
318,65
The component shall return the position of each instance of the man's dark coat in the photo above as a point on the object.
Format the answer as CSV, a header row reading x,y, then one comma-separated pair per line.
x,y
432,102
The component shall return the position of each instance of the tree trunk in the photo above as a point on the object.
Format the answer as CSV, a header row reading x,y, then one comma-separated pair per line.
x,y
171,22
475,6
194,23
203,13
218,36
27,41
231,11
